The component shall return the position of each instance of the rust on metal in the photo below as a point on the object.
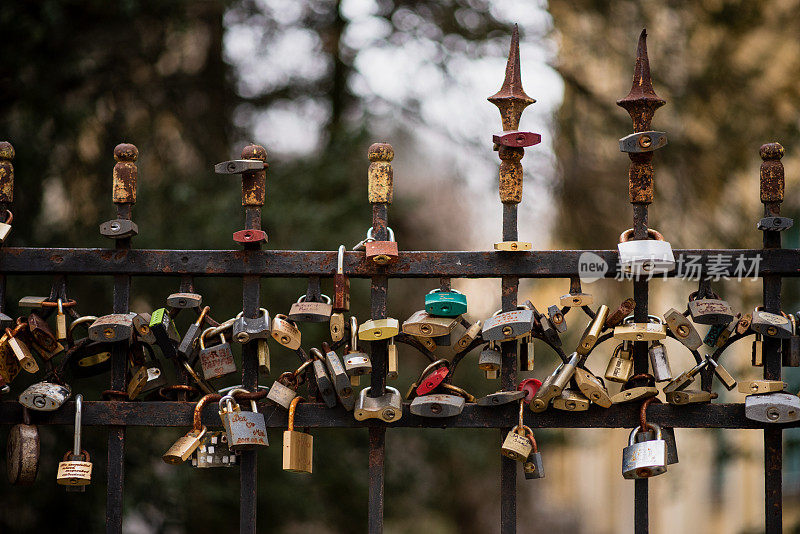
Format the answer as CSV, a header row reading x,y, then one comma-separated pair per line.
x,y
625,309
510,174
254,182
6,172
125,173
641,103
511,98
771,173
380,184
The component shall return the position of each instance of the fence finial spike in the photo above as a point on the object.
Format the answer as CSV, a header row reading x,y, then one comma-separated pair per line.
x,y
642,100
511,99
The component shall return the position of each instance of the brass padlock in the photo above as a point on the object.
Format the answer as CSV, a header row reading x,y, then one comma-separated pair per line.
x,y
76,467
762,386
377,329
141,325
518,444
305,311
684,331
689,396
422,324
653,330
20,349
620,365
298,447
684,379
286,332
336,326
469,336
593,330
571,400
182,449
61,321
631,392
575,300
592,387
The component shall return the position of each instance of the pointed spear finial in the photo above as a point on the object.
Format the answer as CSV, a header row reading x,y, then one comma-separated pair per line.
x,y
511,98
642,101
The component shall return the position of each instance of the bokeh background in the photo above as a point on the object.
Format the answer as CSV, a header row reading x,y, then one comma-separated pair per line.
x,y
316,82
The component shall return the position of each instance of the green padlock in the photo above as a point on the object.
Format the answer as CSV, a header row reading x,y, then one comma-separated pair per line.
x,y
446,303
167,337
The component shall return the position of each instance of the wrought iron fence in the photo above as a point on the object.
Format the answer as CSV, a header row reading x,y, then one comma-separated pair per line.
x,y
511,260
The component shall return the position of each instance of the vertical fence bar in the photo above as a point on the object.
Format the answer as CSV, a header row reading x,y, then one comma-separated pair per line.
x,y
772,190
511,100
380,191
641,104
253,198
6,199
124,197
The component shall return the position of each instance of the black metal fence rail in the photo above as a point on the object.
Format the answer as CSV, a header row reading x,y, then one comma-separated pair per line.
x,y
252,263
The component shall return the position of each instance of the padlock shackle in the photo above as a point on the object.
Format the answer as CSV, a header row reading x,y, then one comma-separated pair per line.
x,y
430,368
292,408
202,317
80,320
197,423
636,430
353,334
371,238
340,260
82,452
627,235
240,390
76,443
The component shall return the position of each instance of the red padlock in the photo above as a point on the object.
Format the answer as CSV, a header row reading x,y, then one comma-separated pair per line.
x,y
530,386
432,381
250,236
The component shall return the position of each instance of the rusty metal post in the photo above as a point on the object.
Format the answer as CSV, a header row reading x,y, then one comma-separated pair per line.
x,y
641,103
511,100
253,197
124,197
380,187
6,199
771,189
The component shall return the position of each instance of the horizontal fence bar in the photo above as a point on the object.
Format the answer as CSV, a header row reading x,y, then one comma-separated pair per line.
x,y
412,264
175,413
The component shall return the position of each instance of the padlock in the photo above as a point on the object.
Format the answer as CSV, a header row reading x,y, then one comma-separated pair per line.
x,y
324,382
32,302
450,303
305,311
262,354
392,361
689,396
649,256
163,329
45,396
554,384
356,354
743,325
239,166
298,447
526,352
246,329
722,374
213,451
513,246
548,330
659,362
593,330
653,330
631,392
427,342
668,435
43,336
571,400
380,252
61,321
388,407
469,336
757,352
592,387
9,365
137,381
119,229
790,351
47,354
620,365
89,358
341,285
516,138
185,300
155,374
710,310
141,325
111,328
432,377
356,365
775,408
716,336
20,349
5,227
377,329
437,405
188,345
575,300
182,449
501,397
503,326
76,467
684,379
643,142
771,324
336,326
341,381
756,387
216,360
283,390
774,224
683,330
422,324
286,332
625,309
529,387
644,459
22,457
518,444
533,467
245,430
557,318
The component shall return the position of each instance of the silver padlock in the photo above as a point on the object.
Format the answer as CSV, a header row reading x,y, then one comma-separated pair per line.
x,y
772,408
216,360
45,396
246,329
659,362
650,256
245,430
644,459
281,392
112,328
437,405
341,382
503,326
324,382
771,324
388,407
